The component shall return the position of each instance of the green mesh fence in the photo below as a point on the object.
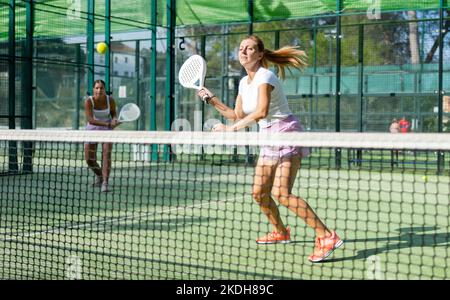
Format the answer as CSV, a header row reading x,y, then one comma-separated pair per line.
x,y
193,12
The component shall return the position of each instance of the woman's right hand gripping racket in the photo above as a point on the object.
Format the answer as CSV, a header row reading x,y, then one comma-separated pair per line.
x,y
192,74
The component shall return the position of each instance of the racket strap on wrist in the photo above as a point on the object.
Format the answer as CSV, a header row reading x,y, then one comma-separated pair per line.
x,y
208,99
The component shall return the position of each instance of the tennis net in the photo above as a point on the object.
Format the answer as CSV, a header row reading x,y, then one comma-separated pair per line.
x,y
180,206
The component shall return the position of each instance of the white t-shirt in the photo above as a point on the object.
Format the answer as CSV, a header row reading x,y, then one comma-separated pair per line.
x,y
278,108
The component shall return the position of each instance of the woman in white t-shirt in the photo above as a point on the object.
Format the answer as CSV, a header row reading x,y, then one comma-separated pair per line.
x,y
261,99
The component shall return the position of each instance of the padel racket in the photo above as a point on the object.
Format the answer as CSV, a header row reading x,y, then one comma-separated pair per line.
x,y
192,74
129,112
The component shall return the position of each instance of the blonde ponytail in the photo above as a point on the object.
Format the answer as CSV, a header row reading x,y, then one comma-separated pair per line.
x,y
285,57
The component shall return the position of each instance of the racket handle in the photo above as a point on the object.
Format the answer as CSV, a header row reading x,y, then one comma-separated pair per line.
x,y
206,99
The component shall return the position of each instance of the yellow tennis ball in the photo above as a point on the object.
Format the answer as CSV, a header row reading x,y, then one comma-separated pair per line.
x,y
102,48
425,178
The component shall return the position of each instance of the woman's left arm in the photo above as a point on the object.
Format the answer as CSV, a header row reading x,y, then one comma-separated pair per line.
x,y
113,111
261,111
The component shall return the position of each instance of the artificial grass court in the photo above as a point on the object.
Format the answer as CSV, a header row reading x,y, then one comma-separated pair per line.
x,y
199,221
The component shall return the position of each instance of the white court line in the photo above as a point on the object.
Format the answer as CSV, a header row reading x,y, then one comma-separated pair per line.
x,y
112,220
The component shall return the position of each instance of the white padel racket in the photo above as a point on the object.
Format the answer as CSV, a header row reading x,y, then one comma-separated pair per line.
x,y
129,112
192,73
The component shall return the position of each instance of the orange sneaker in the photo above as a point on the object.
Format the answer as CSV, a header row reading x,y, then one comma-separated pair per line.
x,y
275,237
325,246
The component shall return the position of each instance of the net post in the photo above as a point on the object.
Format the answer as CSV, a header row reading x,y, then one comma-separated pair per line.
x,y
108,43
139,124
27,87
441,67
170,73
339,6
202,103
90,42
153,57
12,158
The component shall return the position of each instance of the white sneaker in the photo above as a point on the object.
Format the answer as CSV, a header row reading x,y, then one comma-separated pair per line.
x,y
98,181
105,187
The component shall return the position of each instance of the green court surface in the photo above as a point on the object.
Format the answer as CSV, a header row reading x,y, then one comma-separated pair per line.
x,y
198,221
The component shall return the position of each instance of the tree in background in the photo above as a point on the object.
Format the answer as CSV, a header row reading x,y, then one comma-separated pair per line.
x,y
414,37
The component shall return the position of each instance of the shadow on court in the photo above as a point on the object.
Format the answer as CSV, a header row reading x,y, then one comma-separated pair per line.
x,y
409,237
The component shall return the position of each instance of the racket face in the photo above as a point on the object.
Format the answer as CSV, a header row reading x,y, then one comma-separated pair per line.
x,y
130,112
192,72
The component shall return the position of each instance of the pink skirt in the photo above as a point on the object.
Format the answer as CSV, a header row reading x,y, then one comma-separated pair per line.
x,y
95,127
289,124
